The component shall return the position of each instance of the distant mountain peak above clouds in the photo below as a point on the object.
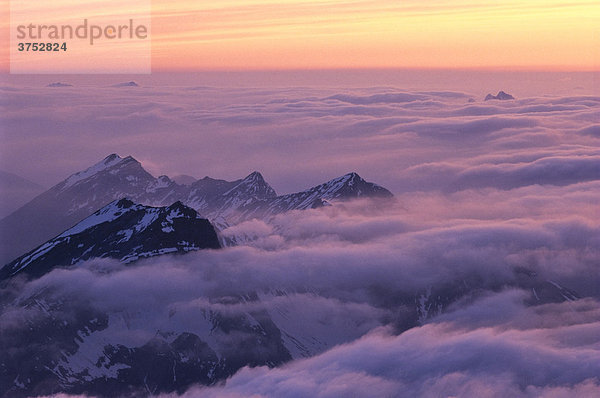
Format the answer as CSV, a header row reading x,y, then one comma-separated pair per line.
x,y
500,96
348,178
352,185
126,84
59,84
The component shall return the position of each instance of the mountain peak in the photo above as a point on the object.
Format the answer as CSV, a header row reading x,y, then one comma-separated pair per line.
x,y
126,84
255,185
178,205
59,84
254,176
500,96
346,179
104,164
351,185
122,230
123,203
108,162
130,158
352,176
111,158
114,158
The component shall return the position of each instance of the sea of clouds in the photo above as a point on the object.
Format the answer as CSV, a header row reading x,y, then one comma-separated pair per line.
x,y
347,271
300,137
483,189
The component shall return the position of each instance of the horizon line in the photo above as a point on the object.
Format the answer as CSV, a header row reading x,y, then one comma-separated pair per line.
x,y
504,69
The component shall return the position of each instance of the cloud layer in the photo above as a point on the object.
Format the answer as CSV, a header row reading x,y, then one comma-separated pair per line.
x,y
298,137
463,286
493,348
353,273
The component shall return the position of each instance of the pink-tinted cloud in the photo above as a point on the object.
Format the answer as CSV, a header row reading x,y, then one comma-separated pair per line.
x,y
298,137
328,276
454,357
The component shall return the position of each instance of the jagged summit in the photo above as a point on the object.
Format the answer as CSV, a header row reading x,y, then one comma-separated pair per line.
x,y
108,162
122,230
255,175
115,177
346,187
254,178
111,157
351,185
254,184
180,208
500,96
348,178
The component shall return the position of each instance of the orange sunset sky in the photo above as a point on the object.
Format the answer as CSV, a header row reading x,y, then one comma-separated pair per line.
x,y
298,34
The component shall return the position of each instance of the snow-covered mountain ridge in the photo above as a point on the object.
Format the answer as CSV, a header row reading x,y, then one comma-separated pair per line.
x,y
122,230
222,202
